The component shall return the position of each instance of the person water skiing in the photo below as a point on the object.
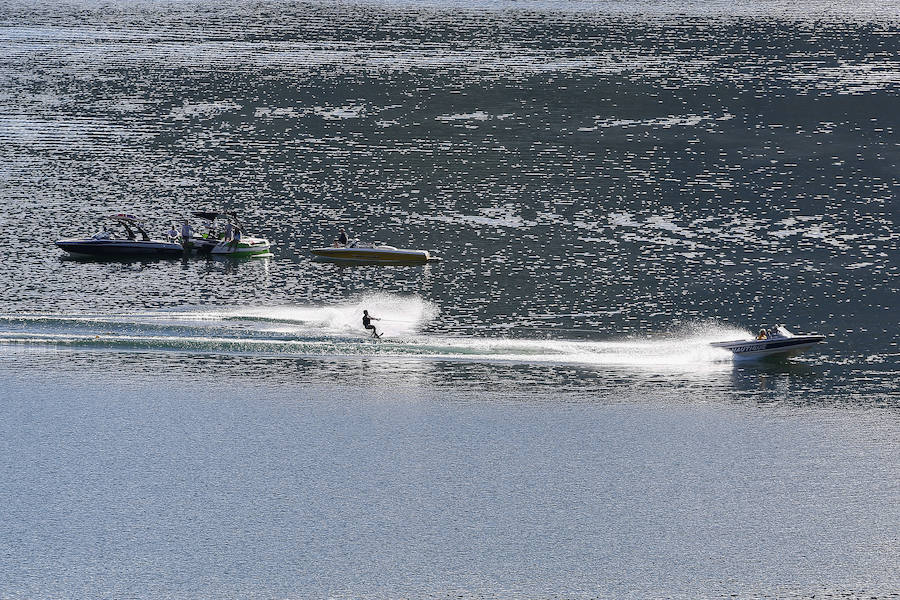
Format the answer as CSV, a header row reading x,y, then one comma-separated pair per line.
x,y
367,323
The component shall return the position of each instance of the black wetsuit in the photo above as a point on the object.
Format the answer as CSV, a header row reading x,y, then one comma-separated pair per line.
x,y
367,323
342,239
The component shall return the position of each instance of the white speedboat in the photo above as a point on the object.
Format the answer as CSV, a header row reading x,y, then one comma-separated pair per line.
x,y
215,243
124,236
772,341
375,253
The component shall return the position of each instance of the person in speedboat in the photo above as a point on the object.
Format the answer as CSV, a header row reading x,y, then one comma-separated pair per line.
x,y
342,238
763,335
367,323
172,234
229,231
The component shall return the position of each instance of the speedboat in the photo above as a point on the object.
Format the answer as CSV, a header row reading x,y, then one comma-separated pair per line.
x,y
214,243
772,341
374,253
124,236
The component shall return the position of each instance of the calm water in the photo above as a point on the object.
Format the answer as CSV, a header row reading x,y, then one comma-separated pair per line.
x,y
611,186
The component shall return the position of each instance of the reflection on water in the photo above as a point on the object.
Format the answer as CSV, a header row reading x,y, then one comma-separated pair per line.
x,y
272,477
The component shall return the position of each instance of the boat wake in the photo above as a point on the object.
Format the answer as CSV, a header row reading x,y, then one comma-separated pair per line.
x,y
335,331
397,315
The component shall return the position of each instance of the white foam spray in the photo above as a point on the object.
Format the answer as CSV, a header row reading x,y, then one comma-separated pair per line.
x,y
679,348
397,314
336,329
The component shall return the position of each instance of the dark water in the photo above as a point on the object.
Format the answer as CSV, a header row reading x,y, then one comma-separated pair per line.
x,y
611,186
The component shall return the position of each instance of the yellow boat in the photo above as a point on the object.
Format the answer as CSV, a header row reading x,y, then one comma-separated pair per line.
x,y
377,253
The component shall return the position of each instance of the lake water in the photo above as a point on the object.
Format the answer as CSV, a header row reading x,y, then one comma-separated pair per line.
x,y
610,186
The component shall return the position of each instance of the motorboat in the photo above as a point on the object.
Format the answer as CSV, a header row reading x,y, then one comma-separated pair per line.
x,y
371,253
775,340
216,243
123,235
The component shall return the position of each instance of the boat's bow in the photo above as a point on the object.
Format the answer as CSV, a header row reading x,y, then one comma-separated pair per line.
x,y
110,247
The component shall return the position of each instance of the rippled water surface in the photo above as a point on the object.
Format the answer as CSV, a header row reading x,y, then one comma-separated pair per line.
x,y
609,186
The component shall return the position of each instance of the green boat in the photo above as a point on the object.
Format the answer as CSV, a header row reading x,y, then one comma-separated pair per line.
x,y
227,243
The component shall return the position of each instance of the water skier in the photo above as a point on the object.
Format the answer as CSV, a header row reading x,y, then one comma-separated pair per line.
x,y
367,323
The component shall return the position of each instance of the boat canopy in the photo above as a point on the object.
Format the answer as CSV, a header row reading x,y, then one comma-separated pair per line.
x,y
210,215
213,215
124,218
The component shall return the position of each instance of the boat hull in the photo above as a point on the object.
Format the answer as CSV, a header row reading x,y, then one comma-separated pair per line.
x,y
246,247
120,248
778,347
372,255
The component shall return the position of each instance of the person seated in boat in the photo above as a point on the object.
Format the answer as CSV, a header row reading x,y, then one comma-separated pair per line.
x,y
367,323
763,335
211,232
342,238
172,234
